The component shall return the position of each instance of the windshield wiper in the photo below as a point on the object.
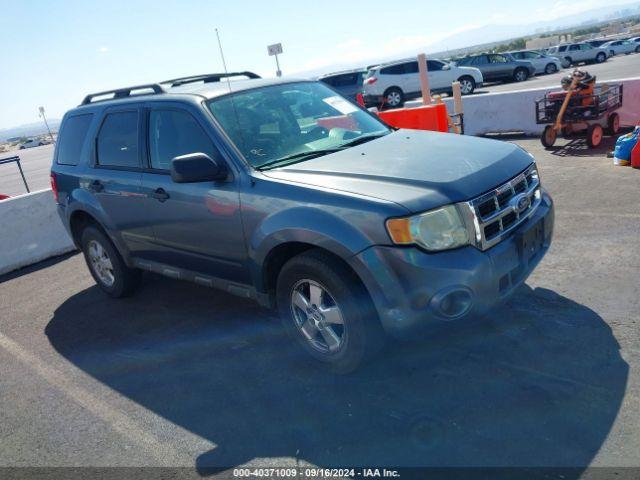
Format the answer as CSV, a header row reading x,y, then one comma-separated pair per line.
x,y
301,156
363,139
297,157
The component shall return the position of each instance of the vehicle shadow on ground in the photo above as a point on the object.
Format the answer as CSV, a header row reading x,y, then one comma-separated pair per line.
x,y
539,383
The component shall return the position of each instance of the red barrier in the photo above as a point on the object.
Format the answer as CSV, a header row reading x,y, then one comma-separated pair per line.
x,y
425,117
635,156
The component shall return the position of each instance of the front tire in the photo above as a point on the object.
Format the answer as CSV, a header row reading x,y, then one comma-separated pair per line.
x,y
394,98
106,265
520,75
467,85
549,136
601,57
328,312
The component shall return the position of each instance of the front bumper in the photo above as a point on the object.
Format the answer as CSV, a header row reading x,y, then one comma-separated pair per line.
x,y
406,284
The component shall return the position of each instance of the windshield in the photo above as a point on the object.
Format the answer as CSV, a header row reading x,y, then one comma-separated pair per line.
x,y
280,121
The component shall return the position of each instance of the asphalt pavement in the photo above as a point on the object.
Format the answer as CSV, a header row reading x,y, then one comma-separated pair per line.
x,y
36,165
181,375
615,68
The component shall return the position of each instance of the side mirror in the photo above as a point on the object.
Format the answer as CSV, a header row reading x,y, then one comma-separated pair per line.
x,y
197,167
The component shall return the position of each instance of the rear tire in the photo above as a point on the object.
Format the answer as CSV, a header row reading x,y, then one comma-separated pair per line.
x,y
549,136
568,61
601,57
520,75
393,98
106,265
326,309
594,135
613,124
550,69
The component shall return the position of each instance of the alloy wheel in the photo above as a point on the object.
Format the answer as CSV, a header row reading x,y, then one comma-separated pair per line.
x,y
394,99
466,86
101,263
318,316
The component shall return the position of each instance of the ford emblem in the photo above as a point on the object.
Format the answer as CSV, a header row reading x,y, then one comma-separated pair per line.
x,y
521,202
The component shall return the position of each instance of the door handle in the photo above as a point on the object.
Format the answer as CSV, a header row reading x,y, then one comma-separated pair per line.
x,y
160,194
96,186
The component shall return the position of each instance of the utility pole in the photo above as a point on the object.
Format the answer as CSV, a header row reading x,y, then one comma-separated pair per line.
x,y
41,109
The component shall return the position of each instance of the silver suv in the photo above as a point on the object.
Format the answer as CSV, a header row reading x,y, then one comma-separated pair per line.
x,y
574,53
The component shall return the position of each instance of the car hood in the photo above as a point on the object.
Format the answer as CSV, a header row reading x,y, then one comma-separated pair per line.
x,y
419,170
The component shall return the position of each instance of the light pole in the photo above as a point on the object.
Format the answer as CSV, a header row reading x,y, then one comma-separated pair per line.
x,y
41,109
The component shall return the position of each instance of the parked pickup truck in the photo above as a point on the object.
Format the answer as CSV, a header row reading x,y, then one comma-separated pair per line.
x,y
284,192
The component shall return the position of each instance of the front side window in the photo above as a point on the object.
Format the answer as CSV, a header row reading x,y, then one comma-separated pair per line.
x,y
173,133
72,137
296,119
117,144
584,46
434,66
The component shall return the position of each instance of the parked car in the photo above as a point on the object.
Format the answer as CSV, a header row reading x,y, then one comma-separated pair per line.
x,y
499,67
616,47
574,53
393,83
348,83
542,62
34,142
283,192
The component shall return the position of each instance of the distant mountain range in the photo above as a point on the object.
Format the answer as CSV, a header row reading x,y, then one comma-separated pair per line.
x,y
494,34
29,130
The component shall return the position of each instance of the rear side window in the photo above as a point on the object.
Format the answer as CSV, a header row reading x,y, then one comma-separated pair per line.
x,y
173,133
118,140
72,136
393,70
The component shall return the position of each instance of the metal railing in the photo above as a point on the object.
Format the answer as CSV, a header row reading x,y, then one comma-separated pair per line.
x,y
16,159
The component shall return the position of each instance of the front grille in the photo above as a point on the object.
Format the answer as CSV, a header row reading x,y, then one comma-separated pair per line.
x,y
501,210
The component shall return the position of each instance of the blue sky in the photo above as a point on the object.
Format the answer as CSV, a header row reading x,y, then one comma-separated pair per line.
x,y
53,53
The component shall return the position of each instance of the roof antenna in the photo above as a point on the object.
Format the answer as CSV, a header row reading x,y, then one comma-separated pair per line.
x,y
224,64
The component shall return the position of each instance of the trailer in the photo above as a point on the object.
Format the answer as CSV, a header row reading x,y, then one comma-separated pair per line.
x,y
572,112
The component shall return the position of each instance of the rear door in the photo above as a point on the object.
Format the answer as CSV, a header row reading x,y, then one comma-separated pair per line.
x,y
196,226
115,176
500,66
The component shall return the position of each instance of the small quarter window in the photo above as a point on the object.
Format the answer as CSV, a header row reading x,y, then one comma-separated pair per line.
x,y
72,136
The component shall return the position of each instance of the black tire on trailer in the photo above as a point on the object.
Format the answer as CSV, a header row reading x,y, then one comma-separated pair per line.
x,y
549,136
613,124
594,135
106,264
328,312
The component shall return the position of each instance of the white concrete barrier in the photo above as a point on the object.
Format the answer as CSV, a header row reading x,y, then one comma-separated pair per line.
x,y
515,111
31,230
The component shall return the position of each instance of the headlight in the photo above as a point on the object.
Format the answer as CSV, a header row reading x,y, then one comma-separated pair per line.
x,y
439,229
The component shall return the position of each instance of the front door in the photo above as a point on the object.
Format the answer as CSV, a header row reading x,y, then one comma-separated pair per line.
x,y
197,226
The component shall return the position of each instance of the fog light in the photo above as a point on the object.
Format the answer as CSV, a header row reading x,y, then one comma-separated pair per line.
x,y
452,302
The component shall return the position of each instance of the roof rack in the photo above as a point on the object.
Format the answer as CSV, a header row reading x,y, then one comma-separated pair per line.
x,y
122,93
208,78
